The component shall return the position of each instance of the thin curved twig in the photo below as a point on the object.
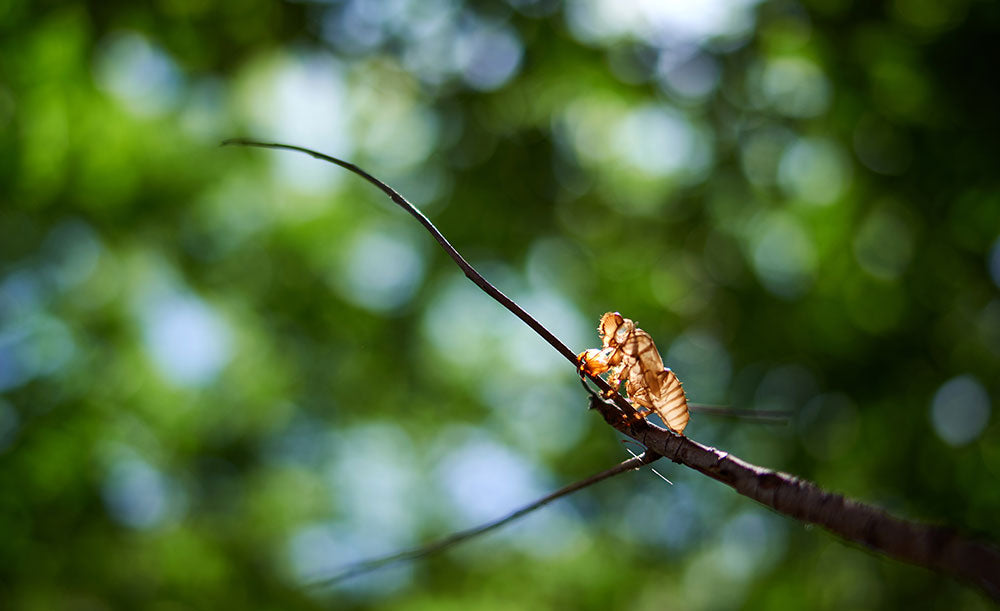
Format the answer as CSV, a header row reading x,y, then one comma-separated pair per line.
x,y
470,272
459,537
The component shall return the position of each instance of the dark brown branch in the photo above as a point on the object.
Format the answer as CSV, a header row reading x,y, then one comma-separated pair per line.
x,y
934,547
454,539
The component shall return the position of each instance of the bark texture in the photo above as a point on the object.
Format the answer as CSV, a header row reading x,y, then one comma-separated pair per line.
x,y
935,547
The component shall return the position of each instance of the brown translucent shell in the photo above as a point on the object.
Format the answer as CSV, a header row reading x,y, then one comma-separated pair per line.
x,y
630,355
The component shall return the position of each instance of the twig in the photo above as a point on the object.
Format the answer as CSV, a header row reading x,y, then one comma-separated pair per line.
x,y
934,547
470,272
763,416
454,539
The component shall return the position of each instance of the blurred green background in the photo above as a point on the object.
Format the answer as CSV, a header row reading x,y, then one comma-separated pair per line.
x,y
226,373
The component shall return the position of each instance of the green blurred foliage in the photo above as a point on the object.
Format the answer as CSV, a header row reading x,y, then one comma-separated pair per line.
x,y
226,373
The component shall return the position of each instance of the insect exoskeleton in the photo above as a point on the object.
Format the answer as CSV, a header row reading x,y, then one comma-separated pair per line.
x,y
629,355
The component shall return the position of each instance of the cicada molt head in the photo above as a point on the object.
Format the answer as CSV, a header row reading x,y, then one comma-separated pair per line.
x,y
594,361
